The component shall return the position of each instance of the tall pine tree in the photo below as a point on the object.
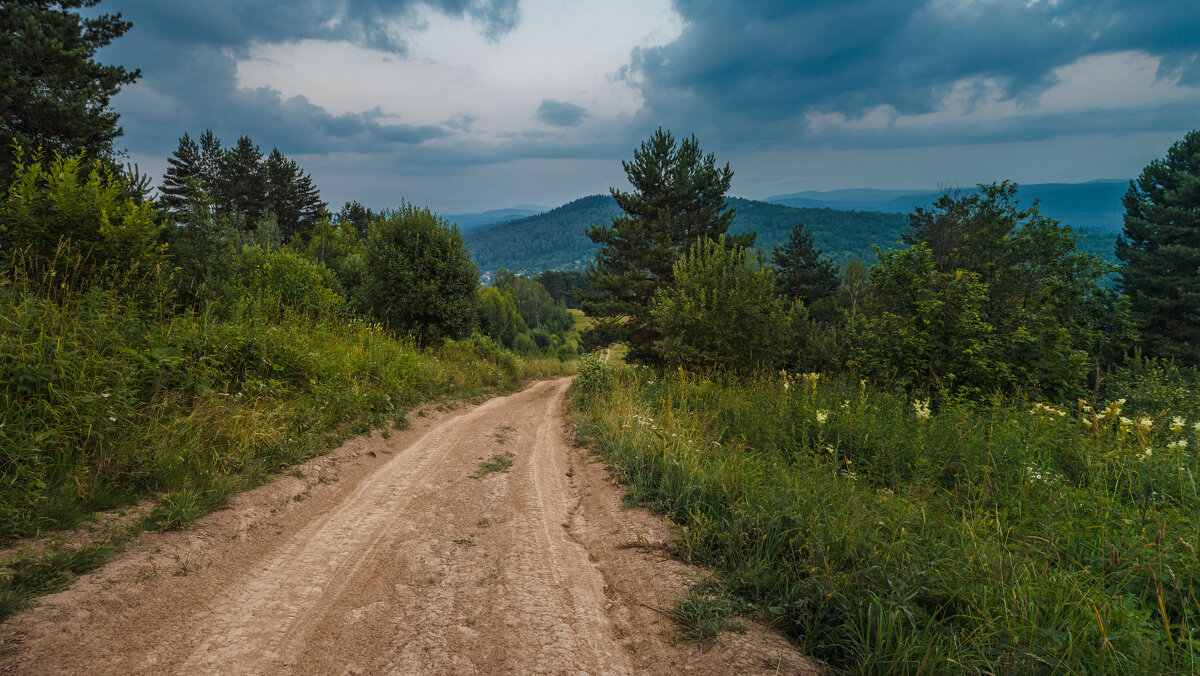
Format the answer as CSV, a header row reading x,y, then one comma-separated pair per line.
x,y
1161,250
678,197
242,185
291,195
802,273
53,93
182,177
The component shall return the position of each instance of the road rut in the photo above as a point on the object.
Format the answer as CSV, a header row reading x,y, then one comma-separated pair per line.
x,y
400,556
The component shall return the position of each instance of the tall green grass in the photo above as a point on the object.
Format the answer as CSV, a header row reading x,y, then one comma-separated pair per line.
x,y
105,400
994,538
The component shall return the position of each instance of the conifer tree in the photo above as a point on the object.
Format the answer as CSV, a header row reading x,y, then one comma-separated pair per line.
x,y
183,175
53,94
1161,250
211,154
803,274
291,195
678,197
242,186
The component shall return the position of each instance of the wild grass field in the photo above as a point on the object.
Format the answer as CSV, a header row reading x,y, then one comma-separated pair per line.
x,y
107,402
893,536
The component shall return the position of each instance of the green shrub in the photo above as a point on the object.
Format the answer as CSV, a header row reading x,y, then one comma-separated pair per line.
x,y
721,311
419,276
288,279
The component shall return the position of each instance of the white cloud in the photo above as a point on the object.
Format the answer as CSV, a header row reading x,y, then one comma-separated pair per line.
x,y
1113,81
567,51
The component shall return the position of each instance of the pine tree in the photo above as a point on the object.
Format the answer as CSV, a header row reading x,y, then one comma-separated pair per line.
x,y
803,274
183,175
1161,250
678,198
241,183
53,94
210,161
292,196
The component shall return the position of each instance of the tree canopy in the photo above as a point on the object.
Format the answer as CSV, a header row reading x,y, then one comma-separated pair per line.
x,y
1161,250
53,94
420,278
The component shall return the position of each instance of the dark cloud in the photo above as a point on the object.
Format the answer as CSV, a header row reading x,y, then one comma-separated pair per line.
x,y
368,23
560,113
187,52
750,70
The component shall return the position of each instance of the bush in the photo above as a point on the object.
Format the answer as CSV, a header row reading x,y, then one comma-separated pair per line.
x,y
721,310
287,279
81,218
419,276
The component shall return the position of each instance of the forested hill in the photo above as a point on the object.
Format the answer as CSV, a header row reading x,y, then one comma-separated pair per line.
x,y
556,240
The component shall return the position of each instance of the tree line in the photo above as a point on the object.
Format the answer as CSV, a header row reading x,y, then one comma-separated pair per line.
x,y
986,295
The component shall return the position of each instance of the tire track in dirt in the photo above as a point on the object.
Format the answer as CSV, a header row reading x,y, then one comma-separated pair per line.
x,y
392,556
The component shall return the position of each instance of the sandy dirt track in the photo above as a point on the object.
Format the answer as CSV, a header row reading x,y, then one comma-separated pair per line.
x,y
392,556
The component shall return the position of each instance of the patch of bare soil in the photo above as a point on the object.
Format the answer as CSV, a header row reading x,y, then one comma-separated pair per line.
x,y
477,541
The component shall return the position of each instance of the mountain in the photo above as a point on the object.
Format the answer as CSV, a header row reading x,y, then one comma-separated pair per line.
x,y
470,222
556,239
1095,205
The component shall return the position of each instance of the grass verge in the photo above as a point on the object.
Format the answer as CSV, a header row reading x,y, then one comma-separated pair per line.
x,y
888,536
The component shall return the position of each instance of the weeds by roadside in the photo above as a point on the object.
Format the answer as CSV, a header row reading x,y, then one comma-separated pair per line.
x,y
946,536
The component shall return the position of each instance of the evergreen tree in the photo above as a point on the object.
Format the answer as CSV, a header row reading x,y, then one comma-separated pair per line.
x,y
803,274
356,215
183,176
53,94
1161,250
211,154
292,196
242,184
678,198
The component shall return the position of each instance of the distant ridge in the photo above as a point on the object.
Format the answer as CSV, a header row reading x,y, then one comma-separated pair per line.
x,y
556,239
1094,205
470,222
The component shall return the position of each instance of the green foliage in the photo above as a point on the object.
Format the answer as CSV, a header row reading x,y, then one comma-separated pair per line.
x,y
720,311
286,279
534,303
243,187
1161,250
594,377
920,326
803,274
678,198
564,286
81,216
53,93
498,317
1004,536
998,296
419,276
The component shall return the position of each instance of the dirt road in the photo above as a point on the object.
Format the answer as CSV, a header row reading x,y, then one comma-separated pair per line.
x,y
400,556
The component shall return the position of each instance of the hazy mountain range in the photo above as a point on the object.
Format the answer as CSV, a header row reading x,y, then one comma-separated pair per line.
x,y
846,224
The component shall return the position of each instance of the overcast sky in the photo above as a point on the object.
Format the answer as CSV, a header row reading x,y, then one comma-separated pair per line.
x,y
465,105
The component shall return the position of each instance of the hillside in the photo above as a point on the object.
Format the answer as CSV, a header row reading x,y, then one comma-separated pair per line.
x,y
1095,205
557,240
